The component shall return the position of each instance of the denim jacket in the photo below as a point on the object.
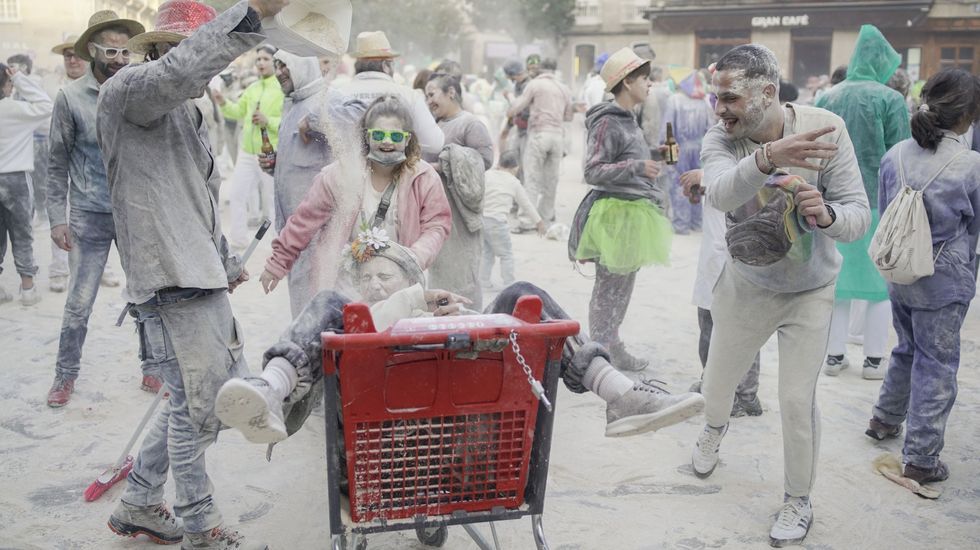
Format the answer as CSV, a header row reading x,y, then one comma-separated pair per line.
x,y
75,164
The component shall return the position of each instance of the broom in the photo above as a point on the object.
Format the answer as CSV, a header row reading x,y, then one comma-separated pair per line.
x,y
121,468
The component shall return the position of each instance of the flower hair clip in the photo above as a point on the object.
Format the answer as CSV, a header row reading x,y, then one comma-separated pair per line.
x,y
369,241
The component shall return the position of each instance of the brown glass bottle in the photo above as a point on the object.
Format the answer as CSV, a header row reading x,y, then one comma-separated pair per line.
x,y
672,152
267,148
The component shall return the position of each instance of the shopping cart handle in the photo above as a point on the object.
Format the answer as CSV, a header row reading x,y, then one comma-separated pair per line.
x,y
371,340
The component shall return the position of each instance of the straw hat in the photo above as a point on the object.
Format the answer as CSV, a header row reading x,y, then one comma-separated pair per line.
x,y
101,20
69,44
619,66
176,20
374,44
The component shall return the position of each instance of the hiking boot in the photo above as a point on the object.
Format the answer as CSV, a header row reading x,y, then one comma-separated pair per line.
x,y
927,475
647,408
151,383
29,296
882,431
623,361
835,364
747,407
872,369
705,457
219,538
60,392
156,522
58,283
792,523
248,405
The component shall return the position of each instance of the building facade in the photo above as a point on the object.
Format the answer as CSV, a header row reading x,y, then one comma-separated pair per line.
x,y
808,37
35,26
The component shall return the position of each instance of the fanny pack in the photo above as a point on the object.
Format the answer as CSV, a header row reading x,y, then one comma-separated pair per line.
x,y
769,224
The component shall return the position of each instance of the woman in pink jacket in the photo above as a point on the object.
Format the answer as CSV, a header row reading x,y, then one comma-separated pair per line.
x,y
391,189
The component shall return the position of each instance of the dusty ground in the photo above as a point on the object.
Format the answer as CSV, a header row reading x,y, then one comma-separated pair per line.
x,y
635,493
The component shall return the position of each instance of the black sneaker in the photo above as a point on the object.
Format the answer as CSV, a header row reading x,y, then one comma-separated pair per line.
x,y
882,431
746,407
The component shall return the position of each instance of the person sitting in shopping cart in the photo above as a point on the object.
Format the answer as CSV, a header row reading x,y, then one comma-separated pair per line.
x,y
270,407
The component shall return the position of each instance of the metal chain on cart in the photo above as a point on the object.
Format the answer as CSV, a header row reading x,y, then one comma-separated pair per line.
x,y
536,388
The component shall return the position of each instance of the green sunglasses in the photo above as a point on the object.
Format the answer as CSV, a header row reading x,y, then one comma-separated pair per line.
x,y
396,136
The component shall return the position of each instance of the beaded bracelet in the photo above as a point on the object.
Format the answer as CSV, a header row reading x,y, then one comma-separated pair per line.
x,y
767,150
770,167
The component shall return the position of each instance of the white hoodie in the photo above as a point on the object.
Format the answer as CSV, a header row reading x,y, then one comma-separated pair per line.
x,y
19,119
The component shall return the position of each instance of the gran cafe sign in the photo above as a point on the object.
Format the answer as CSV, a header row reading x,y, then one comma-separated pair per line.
x,y
767,21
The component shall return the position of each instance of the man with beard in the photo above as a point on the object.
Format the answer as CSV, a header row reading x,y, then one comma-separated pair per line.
x,y
76,170
784,263
314,121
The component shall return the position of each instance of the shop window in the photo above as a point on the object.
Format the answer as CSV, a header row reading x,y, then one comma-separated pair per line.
x,y
633,10
584,61
711,45
588,12
810,55
10,10
959,57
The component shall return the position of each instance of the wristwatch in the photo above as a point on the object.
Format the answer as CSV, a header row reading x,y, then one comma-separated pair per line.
x,y
833,217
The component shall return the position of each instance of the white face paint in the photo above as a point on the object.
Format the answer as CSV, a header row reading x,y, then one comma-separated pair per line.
x,y
742,102
379,278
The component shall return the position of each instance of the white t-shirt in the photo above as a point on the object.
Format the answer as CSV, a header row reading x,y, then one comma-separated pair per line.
x,y
369,208
501,190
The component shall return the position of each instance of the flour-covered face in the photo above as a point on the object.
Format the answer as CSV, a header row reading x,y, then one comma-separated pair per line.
x,y
742,102
379,278
387,139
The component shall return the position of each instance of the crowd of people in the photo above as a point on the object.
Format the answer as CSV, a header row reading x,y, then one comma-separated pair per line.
x,y
405,196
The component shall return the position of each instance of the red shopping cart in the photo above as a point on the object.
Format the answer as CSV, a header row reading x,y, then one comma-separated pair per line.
x,y
440,422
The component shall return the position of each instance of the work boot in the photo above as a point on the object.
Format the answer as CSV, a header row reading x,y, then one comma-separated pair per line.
x,y
647,408
248,405
151,383
927,475
872,369
747,407
623,361
835,364
60,392
877,429
29,296
156,522
58,283
705,457
792,523
219,538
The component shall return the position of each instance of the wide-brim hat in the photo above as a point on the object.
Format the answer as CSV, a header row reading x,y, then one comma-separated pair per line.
x,y
176,20
102,20
373,45
69,43
619,66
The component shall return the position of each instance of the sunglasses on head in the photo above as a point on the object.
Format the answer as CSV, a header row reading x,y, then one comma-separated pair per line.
x,y
396,136
112,53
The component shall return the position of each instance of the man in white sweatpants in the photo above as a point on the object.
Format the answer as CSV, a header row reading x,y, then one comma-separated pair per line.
x,y
793,295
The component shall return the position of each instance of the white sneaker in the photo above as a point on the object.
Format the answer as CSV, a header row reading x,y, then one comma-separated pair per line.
x,y
873,369
5,296
58,283
834,364
249,406
109,278
705,456
30,296
792,522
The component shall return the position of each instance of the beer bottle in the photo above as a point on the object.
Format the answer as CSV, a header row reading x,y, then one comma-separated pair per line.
x,y
267,148
673,152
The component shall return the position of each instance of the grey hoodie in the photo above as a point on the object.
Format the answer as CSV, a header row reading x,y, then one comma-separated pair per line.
x,y
615,153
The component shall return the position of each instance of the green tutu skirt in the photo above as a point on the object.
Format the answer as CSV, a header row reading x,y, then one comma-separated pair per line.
x,y
624,236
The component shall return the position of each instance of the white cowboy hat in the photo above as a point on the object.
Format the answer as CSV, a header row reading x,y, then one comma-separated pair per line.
x,y
619,66
373,44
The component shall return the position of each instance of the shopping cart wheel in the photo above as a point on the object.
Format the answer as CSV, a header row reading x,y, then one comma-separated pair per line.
x,y
433,536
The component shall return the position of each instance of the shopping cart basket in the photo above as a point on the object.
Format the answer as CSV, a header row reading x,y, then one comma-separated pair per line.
x,y
441,422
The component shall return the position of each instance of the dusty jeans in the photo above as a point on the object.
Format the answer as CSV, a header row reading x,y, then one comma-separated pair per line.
x,y
16,213
611,295
496,244
748,388
541,163
177,439
920,383
92,234
39,179
745,316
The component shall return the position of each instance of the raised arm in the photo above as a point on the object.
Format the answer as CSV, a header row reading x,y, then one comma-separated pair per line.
x,y
429,134
36,105
728,181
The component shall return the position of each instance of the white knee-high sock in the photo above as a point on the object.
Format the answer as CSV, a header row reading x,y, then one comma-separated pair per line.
x,y
281,377
607,382
877,321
